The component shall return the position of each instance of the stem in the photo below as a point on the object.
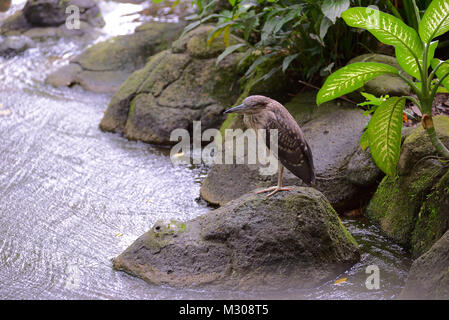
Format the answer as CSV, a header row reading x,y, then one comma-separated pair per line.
x,y
434,71
425,67
435,90
415,101
439,146
411,84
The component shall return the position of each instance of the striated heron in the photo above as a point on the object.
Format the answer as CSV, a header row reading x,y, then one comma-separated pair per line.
x,y
294,153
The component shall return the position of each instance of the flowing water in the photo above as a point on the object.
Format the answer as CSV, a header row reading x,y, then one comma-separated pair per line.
x,y
72,197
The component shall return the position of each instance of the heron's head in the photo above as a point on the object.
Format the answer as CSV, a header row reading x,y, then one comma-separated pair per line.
x,y
251,105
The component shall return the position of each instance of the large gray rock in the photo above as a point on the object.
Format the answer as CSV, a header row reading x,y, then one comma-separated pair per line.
x,y
47,18
429,275
292,240
345,175
176,87
104,66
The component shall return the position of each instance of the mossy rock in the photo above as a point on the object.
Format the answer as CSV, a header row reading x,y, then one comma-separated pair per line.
x,y
196,44
397,201
417,145
176,87
129,52
411,208
105,66
118,110
433,218
291,240
428,277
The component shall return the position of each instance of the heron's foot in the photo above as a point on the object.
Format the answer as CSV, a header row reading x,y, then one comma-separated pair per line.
x,y
273,190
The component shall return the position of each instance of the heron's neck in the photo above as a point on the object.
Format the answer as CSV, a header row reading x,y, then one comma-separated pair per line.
x,y
252,121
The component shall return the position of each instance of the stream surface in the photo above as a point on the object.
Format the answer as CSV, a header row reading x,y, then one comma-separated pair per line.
x,y
73,197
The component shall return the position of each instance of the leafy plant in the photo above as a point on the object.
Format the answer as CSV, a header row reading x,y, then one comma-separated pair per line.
x,y
415,54
305,37
372,102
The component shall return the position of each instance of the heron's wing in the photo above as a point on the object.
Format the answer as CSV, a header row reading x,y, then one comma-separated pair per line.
x,y
293,150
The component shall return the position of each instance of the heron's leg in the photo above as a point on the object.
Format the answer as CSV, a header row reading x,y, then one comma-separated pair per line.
x,y
276,189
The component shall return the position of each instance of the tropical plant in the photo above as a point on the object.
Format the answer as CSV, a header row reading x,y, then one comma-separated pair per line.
x,y
415,54
372,102
305,37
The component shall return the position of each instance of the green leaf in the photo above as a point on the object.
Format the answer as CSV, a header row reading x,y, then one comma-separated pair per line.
x,y
439,90
364,141
350,78
392,31
268,29
369,96
228,51
215,33
435,21
432,47
266,75
190,26
444,69
288,60
324,26
258,62
333,9
384,134
371,100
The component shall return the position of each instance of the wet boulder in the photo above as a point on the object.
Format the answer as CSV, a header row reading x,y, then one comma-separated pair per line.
x,y
47,18
428,277
104,66
411,208
176,87
292,240
345,174
51,13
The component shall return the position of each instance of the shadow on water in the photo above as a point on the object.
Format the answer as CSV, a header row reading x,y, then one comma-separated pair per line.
x,y
72,197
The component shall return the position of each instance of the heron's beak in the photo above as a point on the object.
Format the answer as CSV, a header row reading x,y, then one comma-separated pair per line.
x,y
237,109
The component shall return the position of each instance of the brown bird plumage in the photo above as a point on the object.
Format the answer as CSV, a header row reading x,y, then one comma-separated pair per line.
x,y
294,152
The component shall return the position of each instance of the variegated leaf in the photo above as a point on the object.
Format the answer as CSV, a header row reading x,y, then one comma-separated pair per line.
x,y
392,31
350,78
435,21
384,134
